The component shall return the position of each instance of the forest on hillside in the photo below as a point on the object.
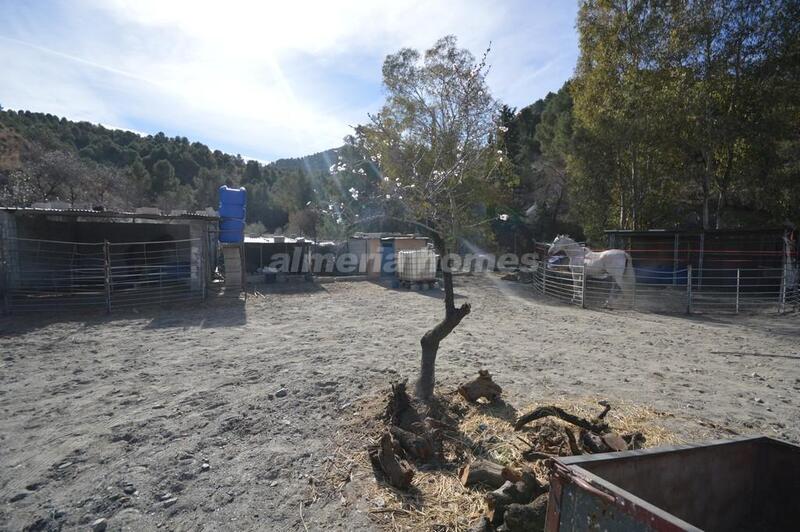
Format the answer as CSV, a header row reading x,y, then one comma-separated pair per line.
x,y
44,157
684,115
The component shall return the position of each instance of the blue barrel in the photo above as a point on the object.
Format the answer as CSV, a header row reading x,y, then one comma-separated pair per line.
x,y
231,230
228,210
232,208
232,196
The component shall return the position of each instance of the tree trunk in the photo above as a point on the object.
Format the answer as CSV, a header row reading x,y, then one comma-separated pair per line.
x,y
706,195
452,317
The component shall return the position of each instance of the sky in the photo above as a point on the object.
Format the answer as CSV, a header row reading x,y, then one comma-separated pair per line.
x,y
266,79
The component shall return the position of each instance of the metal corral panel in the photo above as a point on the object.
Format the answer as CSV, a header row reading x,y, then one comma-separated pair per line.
x,y
744,484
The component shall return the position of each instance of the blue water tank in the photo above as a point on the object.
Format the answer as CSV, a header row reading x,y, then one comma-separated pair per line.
x,y
231,230
232,209
232,196
227,210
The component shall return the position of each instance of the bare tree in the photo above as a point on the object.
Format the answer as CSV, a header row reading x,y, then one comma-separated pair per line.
x,y
433,146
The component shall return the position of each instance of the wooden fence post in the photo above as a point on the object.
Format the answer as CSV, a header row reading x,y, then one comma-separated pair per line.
x,y
107,274
203,254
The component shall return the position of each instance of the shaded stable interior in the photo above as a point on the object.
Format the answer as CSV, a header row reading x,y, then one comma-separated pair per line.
x,y
747,484
274,254
662,257
90,258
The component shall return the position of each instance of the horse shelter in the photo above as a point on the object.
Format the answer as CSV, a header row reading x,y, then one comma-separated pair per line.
x,y
72,259
729,270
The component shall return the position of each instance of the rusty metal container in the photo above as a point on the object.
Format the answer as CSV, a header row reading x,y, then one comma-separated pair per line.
x,y
746,484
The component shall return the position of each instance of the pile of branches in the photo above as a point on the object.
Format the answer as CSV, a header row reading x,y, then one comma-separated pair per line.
x,y
515,498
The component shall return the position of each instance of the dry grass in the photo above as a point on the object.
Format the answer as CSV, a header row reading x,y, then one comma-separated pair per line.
x,y
437,501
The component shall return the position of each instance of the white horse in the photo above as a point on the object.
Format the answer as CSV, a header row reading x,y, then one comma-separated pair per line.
x,y
583,262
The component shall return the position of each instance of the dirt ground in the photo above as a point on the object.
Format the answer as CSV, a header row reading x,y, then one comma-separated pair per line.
x,y
172,419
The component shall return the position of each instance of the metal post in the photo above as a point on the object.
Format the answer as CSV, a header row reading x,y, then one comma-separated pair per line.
x,y
737,290
689,289
782,296
4,264
675,262
700,261
244,271
107,274
544,278
633,302
583,289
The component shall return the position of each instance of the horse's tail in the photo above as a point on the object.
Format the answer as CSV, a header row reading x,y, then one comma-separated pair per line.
x,y
628,277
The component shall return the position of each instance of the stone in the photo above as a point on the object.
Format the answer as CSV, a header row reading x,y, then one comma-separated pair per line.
x,y
18,497
100,525
281,393
169,502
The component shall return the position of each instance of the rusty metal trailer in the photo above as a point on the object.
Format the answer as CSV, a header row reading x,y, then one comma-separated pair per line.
x,y
746,484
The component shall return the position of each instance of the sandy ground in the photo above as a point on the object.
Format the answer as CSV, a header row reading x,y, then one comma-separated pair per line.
x,y
169,419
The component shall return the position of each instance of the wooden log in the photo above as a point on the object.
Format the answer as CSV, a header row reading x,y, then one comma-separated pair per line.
x,y
527,517
482,525
522,492
614,441
635,440
511,474
546,411
606,407
396,471
574,448
481,386
531,456
593,443
481,471
414,445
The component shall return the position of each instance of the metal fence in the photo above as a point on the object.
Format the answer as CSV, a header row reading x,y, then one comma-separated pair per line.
x,y
685,289
57,275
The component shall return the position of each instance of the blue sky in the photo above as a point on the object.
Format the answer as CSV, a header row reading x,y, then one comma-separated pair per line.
x,y
265,79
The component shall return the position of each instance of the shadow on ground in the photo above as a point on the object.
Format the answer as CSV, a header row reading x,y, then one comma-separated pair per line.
x,y
215,312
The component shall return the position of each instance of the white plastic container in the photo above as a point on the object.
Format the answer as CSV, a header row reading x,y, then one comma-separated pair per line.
x,y
418,265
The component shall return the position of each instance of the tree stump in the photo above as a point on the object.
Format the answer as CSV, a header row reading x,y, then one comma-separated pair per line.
x,y
396,471
399,410
414,445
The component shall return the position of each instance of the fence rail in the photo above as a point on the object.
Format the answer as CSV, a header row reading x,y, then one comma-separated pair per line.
x,y
60,275
687,289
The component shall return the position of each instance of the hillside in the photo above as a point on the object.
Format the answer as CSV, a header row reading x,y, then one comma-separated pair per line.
x,y
40,154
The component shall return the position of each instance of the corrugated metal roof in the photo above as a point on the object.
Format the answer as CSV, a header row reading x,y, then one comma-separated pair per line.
x,y
369,236
663,232
198,215
278,239
274,239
